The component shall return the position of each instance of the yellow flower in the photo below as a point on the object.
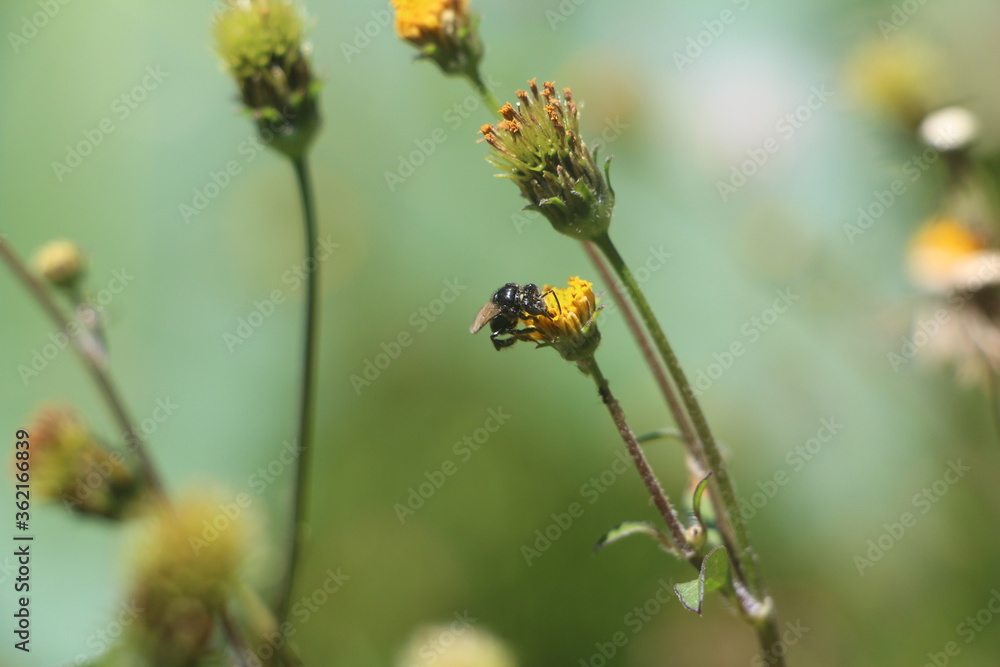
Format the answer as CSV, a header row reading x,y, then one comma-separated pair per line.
x,y
61,262
940,251
570,327
68,464
899,78
424,21
443,30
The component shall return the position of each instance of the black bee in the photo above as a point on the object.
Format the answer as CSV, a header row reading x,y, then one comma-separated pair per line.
x,y
509,305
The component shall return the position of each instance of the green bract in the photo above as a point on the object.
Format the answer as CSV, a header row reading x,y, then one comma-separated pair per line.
x,y
538,146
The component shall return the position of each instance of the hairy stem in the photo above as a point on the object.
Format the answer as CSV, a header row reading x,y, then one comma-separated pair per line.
x,y
731,525
639,458
300,484
642,340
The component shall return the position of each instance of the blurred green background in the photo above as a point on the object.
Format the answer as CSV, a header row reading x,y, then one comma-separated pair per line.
x,y
675,132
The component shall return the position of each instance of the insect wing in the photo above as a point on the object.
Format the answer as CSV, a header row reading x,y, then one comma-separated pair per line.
x,y
485,314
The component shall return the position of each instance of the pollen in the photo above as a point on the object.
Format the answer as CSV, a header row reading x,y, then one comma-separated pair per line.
x,y
570,326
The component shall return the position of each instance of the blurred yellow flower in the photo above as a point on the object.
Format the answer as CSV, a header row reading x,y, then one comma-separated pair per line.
x,y
186,565
68,464
940,251
425,21
444,31
901,78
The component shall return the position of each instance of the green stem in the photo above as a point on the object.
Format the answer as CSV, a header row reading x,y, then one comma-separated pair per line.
x,y
731,524
300,486
642,340
485,94
656,491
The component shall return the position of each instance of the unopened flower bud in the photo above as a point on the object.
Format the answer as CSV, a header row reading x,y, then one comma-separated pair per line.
x,y
538,146
61,262
68,464
261,44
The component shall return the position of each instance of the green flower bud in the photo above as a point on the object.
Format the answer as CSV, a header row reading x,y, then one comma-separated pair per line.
x,y
261,44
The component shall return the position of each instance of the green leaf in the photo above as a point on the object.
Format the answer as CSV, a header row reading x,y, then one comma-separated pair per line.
x,y
714,575
699,491
665,433
623,530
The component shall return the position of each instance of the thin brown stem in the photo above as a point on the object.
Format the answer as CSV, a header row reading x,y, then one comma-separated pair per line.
x,y
109,392
723,495
94,366
656,491
688,435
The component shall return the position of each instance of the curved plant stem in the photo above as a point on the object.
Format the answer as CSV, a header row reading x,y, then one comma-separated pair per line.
x,y
731,525
656,492
299,525
93,362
